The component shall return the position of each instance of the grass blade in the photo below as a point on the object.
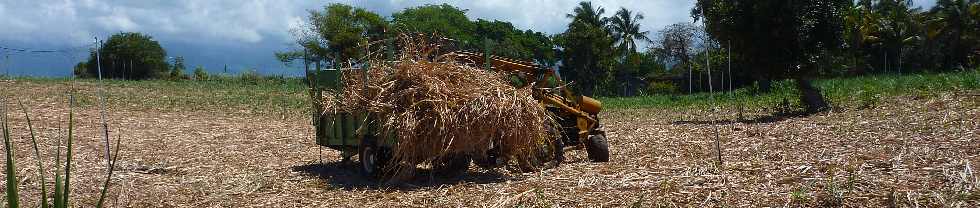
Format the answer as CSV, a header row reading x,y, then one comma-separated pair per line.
x,y
57,177
13,200
71,127
37,154
57,190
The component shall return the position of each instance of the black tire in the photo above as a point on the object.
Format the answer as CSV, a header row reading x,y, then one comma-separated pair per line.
x,y
488,161
598,148
452,165
372,157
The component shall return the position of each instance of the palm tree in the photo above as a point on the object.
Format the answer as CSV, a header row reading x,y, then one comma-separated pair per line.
x,y
587,45
899,28
955,24
585,13
625,26
861,25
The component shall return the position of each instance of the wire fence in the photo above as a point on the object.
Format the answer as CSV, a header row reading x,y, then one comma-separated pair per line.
x,y
12,57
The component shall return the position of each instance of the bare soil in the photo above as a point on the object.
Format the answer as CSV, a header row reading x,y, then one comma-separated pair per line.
x,y
906,151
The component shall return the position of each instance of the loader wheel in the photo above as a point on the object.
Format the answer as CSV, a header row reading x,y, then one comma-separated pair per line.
x,y
598,148
452,165
373,158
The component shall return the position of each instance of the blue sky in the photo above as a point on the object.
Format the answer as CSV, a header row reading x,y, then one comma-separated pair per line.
x,y
244,33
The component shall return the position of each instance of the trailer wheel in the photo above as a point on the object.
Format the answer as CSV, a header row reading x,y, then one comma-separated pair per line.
x,y
452,165
372,157
598,148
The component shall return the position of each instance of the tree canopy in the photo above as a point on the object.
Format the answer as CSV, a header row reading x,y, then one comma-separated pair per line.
x,y
781,39
626,30
587,47
451,22
128,56
610,54
335,33
442,19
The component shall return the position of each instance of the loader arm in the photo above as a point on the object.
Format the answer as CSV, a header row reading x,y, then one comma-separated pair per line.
x,y
522,68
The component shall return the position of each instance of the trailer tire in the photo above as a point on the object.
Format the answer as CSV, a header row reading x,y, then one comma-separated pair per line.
x,y
598,148
372,157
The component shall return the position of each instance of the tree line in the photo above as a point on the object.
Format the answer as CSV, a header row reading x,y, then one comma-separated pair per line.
x,y
803,40
609,54
606,53
134,56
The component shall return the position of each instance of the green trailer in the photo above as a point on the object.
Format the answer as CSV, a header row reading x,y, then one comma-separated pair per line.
x,y
357,133
351,133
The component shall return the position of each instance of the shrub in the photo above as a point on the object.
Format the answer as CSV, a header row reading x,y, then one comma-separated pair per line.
x,y
81,70
177,71
251,76
659,88
200,74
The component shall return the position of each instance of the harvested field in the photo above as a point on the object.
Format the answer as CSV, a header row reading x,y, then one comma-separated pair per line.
x,y
906,151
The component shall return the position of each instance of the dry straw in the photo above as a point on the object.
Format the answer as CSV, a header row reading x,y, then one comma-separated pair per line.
x,y
436,104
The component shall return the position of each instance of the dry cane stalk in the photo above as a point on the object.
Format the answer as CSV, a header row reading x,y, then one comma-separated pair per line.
x,y
437,105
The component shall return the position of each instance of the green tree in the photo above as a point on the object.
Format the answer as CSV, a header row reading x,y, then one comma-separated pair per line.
x,y
954,26
626,30
177,70
451,22
588,48
336,33
81,70
443,20
676,45
637,69
882,30
795,34
861,23
200,74
129,56
511,42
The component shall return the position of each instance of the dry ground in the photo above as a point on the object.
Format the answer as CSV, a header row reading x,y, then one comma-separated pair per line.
x,y
907,151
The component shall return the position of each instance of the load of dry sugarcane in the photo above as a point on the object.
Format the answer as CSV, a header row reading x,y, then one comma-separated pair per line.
x,y
437,105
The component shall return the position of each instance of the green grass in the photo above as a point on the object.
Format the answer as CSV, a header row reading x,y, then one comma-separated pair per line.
x,y
269,95
841,92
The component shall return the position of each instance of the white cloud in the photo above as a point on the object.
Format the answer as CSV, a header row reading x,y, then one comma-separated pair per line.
x,y
547,15
253,21
117,20
227,27
223,21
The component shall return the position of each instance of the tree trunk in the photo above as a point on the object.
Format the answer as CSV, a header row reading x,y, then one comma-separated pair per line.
x,y
690,80
810,96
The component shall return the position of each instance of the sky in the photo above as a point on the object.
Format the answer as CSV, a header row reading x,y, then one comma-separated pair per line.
x,y
244,34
